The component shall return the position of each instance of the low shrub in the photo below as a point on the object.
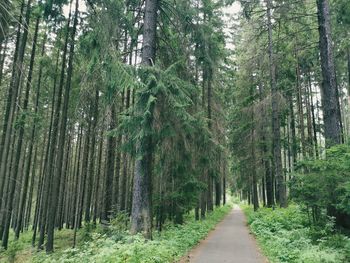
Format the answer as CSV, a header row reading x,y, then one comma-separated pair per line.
x,y
286,235
167,246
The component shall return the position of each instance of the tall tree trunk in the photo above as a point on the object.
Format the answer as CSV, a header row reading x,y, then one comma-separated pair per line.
x,y
2,63
63,184
61,140
110,166
266,159
97,180
210,206
43,152
224,184
86,154
332,131
31,142
28,211
254,175
314,128
124,175
310,137
141,214
275,117
14,171
10,102
294,147
91,168
300,110
348,53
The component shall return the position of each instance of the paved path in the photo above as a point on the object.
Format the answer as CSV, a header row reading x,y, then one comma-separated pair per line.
x,y
230,242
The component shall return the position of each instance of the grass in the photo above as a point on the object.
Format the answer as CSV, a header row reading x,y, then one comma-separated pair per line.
x,y
116,245
21,250
286,235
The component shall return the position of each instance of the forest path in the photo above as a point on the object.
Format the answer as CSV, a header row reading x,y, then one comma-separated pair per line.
x,y
229,242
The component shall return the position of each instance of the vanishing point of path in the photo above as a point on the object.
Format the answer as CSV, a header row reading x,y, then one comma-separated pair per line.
x,y
230,242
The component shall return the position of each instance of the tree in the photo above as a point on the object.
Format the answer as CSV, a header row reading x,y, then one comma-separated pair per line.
x,y
329,88
141,215
275,116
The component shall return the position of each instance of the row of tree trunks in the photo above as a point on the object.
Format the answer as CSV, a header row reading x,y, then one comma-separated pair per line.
x,y
61,167
15,85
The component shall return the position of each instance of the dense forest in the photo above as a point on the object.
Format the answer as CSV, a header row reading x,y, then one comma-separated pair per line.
x,y
136,115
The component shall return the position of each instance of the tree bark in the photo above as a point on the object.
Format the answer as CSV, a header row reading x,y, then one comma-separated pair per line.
x,y
141,214
300,109
31,142
91,169
61,140
110,166
332,131
275,117
14,171
9,114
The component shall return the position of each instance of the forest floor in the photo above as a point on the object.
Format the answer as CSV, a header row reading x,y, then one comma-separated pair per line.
x,y
229,242
115,244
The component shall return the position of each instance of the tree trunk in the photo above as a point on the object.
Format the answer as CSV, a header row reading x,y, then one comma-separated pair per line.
x,y
300,110
348,53
314,128
31,142
254,175
110,166
210,205
124,175
275,117
91,169
14,171
55,167
10,103
2,63
332,130
141,214
97,180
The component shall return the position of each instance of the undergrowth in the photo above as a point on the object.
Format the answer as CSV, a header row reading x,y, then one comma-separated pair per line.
x,y
116,245
286,235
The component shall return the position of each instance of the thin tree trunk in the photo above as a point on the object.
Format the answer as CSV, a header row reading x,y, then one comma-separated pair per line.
x,y
124,175
14,172
97,180
348,53
31,142
314,127
275,117
300,111
61,140
10,103
2,63
31,189
110,166
48,194
91,168
224,185
210,205
254,175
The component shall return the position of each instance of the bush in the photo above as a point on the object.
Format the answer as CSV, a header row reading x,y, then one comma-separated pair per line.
x,y
286,235
325,185
117,246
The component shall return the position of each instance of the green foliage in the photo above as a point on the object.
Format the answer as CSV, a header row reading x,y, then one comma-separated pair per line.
x,y
285,235
12,251
165,110
325,183
16,248
167,246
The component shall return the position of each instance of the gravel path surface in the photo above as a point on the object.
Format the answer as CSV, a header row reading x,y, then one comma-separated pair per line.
x,y
229,242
